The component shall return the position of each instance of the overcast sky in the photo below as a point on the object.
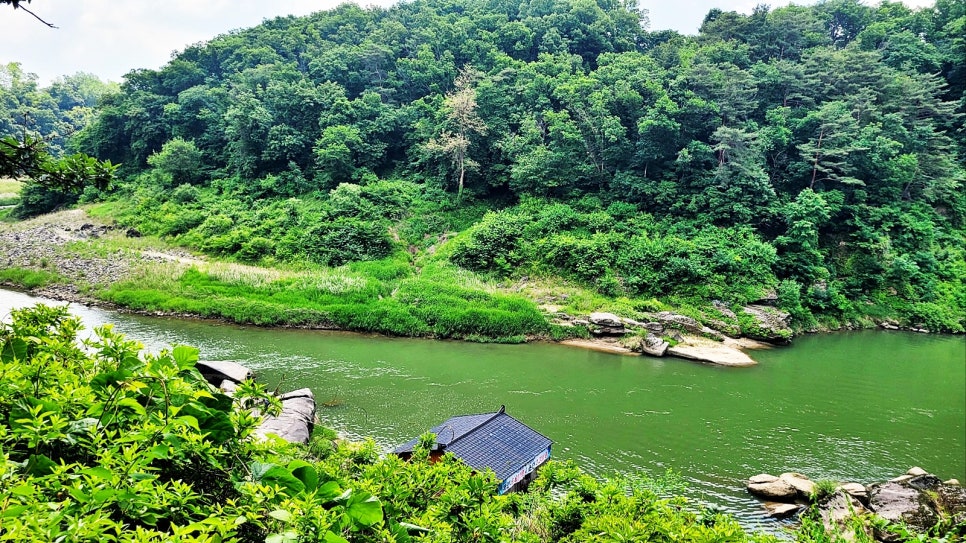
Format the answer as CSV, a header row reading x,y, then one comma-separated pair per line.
x,y
109,38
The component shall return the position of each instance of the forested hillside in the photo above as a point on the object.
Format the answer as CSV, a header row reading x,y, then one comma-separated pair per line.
x,y
814,152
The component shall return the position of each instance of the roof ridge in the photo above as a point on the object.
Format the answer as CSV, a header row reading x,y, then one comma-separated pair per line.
x,y
502,411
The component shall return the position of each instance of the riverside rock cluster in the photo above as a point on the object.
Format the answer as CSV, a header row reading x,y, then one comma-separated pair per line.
x,y
670,334
917,499
297,419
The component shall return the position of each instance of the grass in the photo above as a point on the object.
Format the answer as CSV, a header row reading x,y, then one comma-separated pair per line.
x,y
442,301
10,186
27,278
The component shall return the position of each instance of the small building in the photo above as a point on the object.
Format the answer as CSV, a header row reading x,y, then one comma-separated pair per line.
x,y
494,441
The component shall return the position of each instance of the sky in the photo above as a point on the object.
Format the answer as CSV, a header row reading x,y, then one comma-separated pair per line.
x,y
110,38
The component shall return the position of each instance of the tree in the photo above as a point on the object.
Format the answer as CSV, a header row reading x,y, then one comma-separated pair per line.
x,y
462,121
834,132
178,158
28,159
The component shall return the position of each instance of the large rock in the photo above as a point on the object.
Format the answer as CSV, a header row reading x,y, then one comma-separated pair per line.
x,y
776,490
216,371
712,352
686,323
898,502
654,345
836,512
606,324
770,324
297,419
800,483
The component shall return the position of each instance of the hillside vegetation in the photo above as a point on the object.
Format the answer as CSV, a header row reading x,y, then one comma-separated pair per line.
x,y
444,150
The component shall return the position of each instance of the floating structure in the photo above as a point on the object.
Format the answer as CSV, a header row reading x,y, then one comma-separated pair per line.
x,y
490,441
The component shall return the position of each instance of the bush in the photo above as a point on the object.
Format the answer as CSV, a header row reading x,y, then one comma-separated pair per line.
x,y
346,240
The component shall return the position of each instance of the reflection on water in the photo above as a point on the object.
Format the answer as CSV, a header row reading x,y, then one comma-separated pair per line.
x,y
851,406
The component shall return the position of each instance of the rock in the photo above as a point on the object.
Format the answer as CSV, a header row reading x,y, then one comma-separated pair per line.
x,y
836,511
705,350
215,371
132,233
654,327
228,386
897,502
606,319
723,308
901,479
782,510
952,482
855,490
654,345
800,483
762,478
687,324
925,482
771,324
769,297
296,421
778,490
915,471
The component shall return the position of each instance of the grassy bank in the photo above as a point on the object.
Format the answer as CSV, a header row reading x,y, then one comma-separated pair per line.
x,y
383,297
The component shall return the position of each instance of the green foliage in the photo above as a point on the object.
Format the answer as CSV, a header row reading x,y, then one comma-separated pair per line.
x,y
28,278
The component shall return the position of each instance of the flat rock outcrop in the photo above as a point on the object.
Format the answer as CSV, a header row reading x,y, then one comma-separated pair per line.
x,y
216,371
770,324
712,352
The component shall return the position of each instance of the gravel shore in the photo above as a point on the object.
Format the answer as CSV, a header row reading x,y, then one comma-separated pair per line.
x,y
55,243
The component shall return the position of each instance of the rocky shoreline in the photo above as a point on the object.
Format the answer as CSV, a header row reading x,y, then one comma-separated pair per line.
x,y
918,500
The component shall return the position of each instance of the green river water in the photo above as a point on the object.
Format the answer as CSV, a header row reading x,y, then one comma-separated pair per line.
x,y
858,406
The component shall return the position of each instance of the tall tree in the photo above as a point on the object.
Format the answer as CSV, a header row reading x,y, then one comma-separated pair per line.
x,y
461,121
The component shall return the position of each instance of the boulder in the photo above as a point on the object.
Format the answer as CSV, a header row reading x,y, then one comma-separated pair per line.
x,y
654,327
606,319
685,323
216,371
782,510
837,510
762,478
297,419
705,350
777,490
855,490
606,324
897,502
770,324
800,483
654,345
952,482
916,471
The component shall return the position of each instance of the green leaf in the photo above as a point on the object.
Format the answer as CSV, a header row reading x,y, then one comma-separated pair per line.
x,y
334,538
24,490
281,514
109,379
328,491
13,349
271,474
284,537
305,472
186,357
14,511
99,472
39,465
364,508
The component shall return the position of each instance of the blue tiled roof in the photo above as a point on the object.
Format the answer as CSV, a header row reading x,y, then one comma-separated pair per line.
x,y
488,440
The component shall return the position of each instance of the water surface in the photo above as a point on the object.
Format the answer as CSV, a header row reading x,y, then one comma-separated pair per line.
x,y
861,406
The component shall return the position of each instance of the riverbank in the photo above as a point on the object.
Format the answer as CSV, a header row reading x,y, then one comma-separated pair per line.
x,y
76,257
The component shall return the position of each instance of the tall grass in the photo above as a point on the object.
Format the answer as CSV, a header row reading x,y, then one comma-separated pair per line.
x,y
389,300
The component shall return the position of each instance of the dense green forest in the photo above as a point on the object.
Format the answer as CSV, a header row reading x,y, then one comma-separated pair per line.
x,y
816,152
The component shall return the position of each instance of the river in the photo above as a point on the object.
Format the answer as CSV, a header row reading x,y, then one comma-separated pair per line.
x,y
859,406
